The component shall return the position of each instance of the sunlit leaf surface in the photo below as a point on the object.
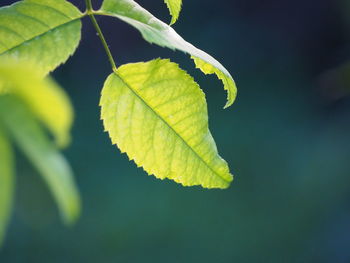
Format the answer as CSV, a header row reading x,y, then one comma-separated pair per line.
x,y
174,7
157,114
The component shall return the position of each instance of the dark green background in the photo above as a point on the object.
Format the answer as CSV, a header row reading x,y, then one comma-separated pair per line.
x,y
286,138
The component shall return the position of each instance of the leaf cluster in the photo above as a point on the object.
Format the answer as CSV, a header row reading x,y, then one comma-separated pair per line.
x,y
153,111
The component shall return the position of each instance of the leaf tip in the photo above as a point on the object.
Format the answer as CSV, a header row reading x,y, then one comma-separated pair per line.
x,y
72,214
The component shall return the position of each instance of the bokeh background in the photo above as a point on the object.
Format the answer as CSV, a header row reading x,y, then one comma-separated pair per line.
x,y
286,138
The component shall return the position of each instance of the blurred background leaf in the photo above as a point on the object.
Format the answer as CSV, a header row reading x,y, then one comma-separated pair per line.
x,y
25,100
44,98
6,183
31,139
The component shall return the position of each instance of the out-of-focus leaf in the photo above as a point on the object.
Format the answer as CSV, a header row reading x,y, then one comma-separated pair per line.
x,y
6,183
45,98
155,31
44,32
53,167
157,114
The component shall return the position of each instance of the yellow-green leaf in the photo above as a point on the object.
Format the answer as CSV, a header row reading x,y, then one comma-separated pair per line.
x,y
157,114
6,183
229,83
31,139
45,98
174,7
155,31
44,32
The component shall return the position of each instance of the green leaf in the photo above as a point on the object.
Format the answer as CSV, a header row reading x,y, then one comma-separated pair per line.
x,y
229,85
6,183
174,7
31,139
155,31
157,114
44,32
44,97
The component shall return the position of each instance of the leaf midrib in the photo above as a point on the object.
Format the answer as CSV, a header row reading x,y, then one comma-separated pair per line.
x,y
42,34
171,128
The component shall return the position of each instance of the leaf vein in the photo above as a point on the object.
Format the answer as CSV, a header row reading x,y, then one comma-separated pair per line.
x,y
167,124
40,35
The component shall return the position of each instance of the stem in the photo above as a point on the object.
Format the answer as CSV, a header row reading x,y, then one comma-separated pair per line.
x,y
90,13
